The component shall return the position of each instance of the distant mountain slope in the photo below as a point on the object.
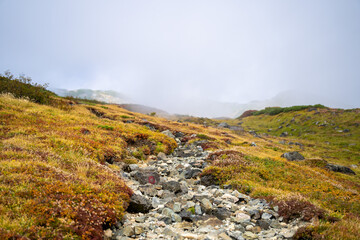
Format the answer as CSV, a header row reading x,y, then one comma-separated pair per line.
x,y
287,99
145,109
108,96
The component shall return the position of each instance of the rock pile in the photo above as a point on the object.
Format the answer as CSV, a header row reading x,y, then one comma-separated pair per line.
x,y
172,201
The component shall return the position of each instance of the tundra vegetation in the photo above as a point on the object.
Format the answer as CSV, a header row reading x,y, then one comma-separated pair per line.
x,y
60,158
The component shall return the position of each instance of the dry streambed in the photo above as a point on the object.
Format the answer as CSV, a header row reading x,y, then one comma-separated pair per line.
x,y
172,201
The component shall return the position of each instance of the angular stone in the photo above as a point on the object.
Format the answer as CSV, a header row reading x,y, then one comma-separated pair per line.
x,y
266,216
168,133
177,207
206,205
198,209
138,230
256,229
148,189
230,198
241,217
167,212
263,224
155,202
339,168
131,168
221,213
144,177
140,219
176,218
128,231
293,156
139,204
172,186
186,215
192,173
287,233
209,180
161,156
250,235
224,236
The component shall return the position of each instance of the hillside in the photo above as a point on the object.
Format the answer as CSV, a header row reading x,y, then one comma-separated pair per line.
x,y
62,163
107,96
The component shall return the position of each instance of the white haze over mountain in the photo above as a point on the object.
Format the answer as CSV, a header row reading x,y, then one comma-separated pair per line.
x,y
188,56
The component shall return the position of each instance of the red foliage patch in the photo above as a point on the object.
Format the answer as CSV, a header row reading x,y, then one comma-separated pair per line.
x,y
293,208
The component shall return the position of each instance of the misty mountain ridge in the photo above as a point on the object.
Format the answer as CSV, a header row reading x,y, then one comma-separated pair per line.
x,y
200,107
108,96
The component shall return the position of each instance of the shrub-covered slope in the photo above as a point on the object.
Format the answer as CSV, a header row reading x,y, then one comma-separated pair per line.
x,y
54,182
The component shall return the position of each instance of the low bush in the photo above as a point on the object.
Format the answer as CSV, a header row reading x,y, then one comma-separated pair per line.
x,y
276,110
294,208
24,87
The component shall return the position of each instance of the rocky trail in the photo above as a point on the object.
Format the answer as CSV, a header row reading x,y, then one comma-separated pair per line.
x,y
171,201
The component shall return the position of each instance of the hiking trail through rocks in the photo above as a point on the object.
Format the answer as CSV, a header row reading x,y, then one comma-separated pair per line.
x,y
171,201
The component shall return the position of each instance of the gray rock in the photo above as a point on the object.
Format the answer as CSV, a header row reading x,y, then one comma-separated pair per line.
x,y
339,168
284,134
138,229
186,215
167,212
172,186
144,177
221,213
264,224
161,156
177,207
208,180
176,218
224,125
206,205
155,202
148,190
139,204
130,167
266,216
198,209
168,133
192,173
128,231
293,156
224,236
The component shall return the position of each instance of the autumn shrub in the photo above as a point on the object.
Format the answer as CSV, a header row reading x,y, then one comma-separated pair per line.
x,y
225,158
294,208
276,110
309,233
24,87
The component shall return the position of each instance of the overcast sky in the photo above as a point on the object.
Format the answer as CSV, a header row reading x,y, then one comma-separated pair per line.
x,y
163,53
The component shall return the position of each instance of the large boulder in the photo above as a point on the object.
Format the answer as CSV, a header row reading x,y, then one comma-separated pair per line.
x,y
339,168
209,180
168,133
224,125
139,204
144,177
293,156
172,186
221,213
192,173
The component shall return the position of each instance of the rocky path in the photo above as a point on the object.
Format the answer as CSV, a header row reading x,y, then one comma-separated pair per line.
x,y
172,202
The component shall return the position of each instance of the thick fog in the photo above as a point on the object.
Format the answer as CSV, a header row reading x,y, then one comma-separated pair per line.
x,y
189,56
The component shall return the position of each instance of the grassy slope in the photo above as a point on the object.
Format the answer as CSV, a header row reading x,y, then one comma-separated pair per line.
x,y
321,133
54,180
263,173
